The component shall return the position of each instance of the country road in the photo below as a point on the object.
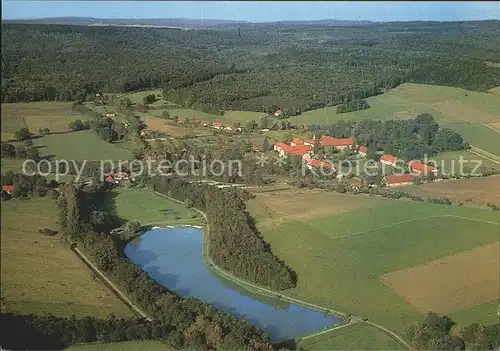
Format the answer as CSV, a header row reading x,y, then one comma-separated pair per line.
x,y
255,288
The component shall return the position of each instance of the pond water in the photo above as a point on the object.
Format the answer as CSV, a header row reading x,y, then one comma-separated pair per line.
x,y
173,257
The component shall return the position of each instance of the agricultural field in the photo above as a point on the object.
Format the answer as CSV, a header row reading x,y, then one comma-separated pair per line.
x,y
137,97
448,105
143,345
449,162
40,274
479,136
475,191
341,256
37,115
354,337
172,130
495,90
149,208
495,126
82,145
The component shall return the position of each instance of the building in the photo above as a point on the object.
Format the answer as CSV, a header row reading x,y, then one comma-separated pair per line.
x,y
285,149
362,151
110,115
389,160
421,168
336,143
217,125
120,176
110,180
9,189
297,142
277,113
399,180
320,164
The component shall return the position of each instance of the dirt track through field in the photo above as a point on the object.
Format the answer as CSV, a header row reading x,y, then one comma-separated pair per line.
x,y
452,283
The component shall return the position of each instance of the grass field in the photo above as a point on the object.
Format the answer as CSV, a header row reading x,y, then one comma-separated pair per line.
x,y
81,145
449,162
447,105
149,208
340,258
495,126
495,90
479,136
477,191
37,115
40,274
486,314
137,97
354,337
143,345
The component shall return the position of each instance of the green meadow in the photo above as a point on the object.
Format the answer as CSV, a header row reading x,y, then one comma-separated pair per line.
x,y
480,136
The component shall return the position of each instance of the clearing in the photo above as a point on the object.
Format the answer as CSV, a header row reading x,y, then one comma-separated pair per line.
x,y
446,104
82,145
452,283
477,191
149,208
37,115
354,337
479,136
40,274
339,258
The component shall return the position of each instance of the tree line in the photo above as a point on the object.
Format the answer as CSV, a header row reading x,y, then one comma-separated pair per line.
x,y
234,241
186,322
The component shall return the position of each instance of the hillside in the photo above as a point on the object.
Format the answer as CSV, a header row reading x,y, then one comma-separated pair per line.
x,y
256,68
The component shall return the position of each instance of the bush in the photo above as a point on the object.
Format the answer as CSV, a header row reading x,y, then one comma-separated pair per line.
x,y
48,232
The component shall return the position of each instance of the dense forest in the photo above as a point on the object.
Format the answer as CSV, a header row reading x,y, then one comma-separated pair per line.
x,y
234,242
181,322
257,68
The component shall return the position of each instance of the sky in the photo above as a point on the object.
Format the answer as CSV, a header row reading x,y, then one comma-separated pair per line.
x,y
256,11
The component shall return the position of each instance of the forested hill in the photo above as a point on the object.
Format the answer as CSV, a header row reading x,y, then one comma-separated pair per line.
x,y
246,68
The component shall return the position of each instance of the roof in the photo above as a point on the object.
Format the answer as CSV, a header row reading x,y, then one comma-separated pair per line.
x,y
319,164
363,149
389,158
420,167
329,141
120,174
297,141
217,124
300,150
8,188
109,179
399,178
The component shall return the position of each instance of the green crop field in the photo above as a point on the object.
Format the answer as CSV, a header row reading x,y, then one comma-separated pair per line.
x,y
142,345
479,136
81,145
449,162
149,208
340,258
137,97
37,115
447,105
354,337
485,314
40,274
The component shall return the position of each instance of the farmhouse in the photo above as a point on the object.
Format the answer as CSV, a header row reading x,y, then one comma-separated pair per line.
x,y
284,149
296,142
217,125
120,176
336,143
277,113
362,151
399,180
389,160
110,180
419,167
9,189
320,164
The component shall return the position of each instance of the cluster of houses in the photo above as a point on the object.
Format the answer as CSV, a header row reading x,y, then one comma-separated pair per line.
x,y
304,149
118,178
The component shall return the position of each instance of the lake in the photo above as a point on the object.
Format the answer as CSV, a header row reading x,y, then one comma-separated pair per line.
x,y
173,257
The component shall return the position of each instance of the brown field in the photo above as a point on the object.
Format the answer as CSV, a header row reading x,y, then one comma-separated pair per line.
x,y
305,205
450,284
156,123
36,115
495,126
478,191
457,112
41,274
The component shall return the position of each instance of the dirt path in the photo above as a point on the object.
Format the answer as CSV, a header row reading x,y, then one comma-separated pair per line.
x,y
329,330
117,290
485,154
255,288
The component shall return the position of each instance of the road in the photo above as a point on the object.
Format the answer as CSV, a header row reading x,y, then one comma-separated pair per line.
x,y
485,154
255,288
116,289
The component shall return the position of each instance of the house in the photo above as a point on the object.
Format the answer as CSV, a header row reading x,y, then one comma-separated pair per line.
x,y
143,133
204,123
217,125
228,128
419,167
297,142
389,160
110,180
120,176
110,115
399,180
320,164
265,130
9,189
363,150
336,143
300,150
277,113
